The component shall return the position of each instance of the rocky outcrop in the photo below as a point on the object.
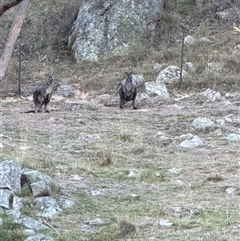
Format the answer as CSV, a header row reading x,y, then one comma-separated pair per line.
x,y
12,181
108,27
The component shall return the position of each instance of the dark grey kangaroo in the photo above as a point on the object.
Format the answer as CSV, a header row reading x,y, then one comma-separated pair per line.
x,y
42,95
127,91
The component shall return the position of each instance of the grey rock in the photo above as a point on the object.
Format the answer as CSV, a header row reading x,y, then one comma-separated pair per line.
x,y
233,137
142,97
66,90
220,123
1,222
40,189
10,174
211,95
187,136
202,124
163,223
30,223
38,237
192,143
66,203
36,176
137,79
28,232
228,118
169,75
156,88
47,206
6,198
96,222
18,203
105,28
229,95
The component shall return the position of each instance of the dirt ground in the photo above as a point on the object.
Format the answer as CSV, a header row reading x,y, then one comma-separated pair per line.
x,y
127,165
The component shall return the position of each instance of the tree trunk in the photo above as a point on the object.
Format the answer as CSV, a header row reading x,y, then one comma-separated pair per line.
x,y
12,38
4,7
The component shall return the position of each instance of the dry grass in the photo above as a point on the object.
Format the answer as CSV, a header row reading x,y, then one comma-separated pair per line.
x,y
102,145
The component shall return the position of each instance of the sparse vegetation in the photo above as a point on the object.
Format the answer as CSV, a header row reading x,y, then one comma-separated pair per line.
x,y
127,140
9,230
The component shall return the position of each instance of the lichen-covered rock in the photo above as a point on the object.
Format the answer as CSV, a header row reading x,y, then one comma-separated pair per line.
x,y
110,26
154,88
38,237
10,174
170,75
203,124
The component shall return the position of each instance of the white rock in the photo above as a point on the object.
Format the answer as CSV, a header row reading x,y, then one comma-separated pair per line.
x,y
163,223
192,143
134,173
212,95
230,191
189,40
175,170
233,137
96,222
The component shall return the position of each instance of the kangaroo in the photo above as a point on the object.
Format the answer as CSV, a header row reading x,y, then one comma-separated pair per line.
x,y
42,95
128,91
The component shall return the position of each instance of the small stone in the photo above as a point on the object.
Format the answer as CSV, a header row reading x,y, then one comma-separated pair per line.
x,y
96,222
192,143
163,223
134,173
230,191
175,170
202,124
233,137
189,40
220,123
28,232
95,193
180,183
229,95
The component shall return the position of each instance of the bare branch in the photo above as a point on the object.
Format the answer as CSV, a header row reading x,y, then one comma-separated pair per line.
x,y
4,7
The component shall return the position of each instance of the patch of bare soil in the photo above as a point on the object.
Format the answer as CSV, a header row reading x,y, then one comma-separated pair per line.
x,y
127,165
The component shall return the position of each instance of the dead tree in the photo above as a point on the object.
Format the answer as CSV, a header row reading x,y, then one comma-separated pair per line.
x,y
13,33
5,6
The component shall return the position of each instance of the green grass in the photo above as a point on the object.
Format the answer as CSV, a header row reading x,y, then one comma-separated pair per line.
x,y
206,219
10,231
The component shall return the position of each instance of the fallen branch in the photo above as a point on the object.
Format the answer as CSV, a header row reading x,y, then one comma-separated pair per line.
x,y
49,225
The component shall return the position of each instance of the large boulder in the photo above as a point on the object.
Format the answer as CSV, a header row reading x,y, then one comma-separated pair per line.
x,y
109,26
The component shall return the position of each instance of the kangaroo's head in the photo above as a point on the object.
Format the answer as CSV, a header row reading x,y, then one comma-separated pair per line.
x,y
49,81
